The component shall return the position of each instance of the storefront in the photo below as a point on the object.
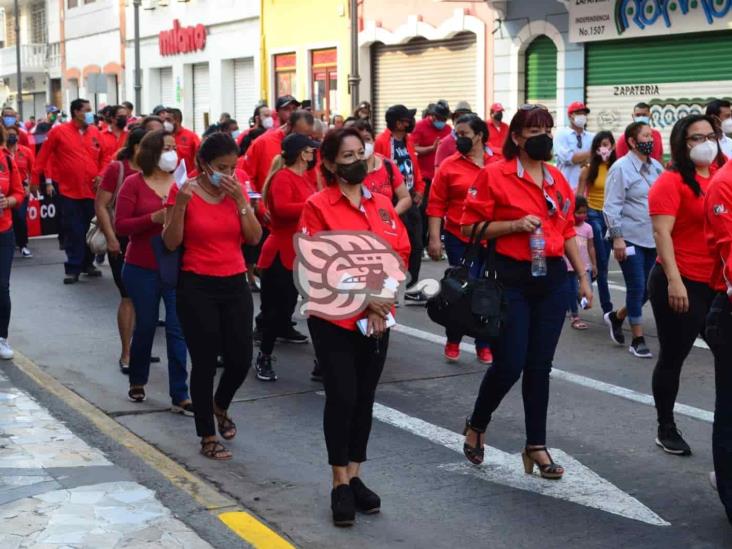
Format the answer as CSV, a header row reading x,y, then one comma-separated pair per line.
x,y
200,60
675,57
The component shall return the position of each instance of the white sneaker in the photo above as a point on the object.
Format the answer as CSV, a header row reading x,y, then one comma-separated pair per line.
x,y
25,252
6,352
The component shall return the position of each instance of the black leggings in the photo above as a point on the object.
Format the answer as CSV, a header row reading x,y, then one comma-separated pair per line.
x,y
676,335
216,316
279,298
352,364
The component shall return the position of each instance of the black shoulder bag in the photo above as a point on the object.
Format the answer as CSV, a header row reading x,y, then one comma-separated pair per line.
x,y
475,307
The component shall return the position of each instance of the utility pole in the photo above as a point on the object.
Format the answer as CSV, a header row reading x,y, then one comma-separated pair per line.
x,y
19,71
354,79
138,84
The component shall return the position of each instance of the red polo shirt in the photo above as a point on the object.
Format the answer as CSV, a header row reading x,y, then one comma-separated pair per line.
x,y
330,210
260,154
497,136
23,159
10,185
449,188
424,135
621,147
504,191
384,146
74,157
286,197
111,144
187,144
718,228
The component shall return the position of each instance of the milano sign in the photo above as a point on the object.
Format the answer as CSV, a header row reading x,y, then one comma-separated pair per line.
x,y
182,39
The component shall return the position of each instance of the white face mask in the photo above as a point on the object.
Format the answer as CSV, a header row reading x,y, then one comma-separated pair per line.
x,y
580,120
267,122
727,126
168,127
643,119
168,161
704,154
368,150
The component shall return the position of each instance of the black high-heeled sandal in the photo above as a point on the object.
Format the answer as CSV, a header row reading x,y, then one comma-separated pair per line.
x,y
475,454
550,471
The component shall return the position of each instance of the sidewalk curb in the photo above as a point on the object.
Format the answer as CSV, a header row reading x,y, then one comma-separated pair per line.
x,y
243,523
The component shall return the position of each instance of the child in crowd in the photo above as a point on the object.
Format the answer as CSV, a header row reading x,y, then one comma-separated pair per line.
x,y
587,251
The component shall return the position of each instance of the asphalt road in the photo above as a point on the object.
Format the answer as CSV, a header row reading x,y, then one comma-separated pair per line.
x,y
620,490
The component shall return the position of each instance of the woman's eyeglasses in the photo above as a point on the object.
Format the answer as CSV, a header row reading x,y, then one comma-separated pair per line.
x,y
698,138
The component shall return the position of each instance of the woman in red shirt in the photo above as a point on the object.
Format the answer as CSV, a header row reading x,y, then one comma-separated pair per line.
x,y
383,176
447,195
517,196
112,179
211,218
22,157
678,285
350,360
11,196
139,216
284,194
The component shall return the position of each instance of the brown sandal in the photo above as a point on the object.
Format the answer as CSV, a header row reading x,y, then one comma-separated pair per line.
x,y
227,428
213,449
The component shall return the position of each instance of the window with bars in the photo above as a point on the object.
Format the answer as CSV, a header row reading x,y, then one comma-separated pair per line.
x,y
39,33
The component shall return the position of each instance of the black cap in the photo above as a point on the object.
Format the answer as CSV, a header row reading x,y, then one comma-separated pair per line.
x,y
441,109
157,110
307,104
399,112
284,101
295,142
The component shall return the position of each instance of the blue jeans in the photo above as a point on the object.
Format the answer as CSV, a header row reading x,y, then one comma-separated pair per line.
x,y
76,217
534,316
636,269
603,247
7,249
146,289
573,289
454,248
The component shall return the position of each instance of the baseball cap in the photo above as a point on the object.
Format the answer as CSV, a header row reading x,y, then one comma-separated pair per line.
x,y
462,106
295,142
399,112
51,108
284,101
497,107
441,108
577,106
157,110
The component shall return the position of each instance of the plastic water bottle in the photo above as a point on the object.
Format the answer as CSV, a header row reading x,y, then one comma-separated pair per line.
x,y
538,256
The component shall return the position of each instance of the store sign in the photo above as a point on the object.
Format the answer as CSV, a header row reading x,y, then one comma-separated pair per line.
x,y
591,20
182,39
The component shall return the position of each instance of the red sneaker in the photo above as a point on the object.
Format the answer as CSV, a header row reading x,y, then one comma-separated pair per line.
x,y
452,352
484,356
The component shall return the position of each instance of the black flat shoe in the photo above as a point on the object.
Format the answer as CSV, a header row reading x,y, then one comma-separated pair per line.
x,y
71,279
93,272
367,501
475,454
343,505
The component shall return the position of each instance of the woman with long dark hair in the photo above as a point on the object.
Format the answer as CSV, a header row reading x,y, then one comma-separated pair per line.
x,y
592,185
679,283
517,196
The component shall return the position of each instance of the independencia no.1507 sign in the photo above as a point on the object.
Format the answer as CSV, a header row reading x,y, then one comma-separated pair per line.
x,y
591,20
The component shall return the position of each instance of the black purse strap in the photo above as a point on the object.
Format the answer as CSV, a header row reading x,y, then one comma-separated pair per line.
x,y
472,249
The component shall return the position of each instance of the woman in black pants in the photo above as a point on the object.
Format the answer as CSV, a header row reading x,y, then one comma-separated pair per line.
x,y
679,283
351,361
211,217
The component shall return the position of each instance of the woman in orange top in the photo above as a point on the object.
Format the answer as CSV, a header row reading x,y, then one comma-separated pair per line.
x,y
517,196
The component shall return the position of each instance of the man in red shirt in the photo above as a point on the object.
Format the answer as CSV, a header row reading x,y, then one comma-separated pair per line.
x,y
115,136
186,141
75,151
10,118
641,113
448,146
497,128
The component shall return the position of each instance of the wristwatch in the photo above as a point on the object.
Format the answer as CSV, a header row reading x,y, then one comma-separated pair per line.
x,y
244,211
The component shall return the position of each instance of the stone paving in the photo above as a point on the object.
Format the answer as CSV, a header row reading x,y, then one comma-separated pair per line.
x,y
58,492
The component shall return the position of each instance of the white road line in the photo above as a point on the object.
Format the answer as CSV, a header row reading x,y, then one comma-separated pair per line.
x,y
622,392
580,484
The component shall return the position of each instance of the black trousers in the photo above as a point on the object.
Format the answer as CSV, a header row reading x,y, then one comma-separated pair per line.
x,y
279,298
216,316
412,220
351,364
676,335
423,212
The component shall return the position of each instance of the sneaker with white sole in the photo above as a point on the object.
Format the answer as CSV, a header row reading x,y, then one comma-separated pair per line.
x,y
25,252
6,352
616,327
670,440
639,348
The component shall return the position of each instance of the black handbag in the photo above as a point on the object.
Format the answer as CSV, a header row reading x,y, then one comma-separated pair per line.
x,y
474,307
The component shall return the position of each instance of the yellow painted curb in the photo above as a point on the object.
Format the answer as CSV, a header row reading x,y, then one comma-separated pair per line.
x,y
245,525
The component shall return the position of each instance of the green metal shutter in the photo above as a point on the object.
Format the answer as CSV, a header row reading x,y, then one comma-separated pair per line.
x,y
541,72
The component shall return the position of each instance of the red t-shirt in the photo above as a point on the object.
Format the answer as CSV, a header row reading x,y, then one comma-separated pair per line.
x,y
212,237
258,159
497,136
136,202
187,143
380,182
424,135
11,186
503,191
286,197
669,195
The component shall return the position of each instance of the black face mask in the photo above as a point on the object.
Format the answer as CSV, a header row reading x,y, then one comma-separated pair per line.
x,y
464,144
410,128
498,116
12,139
353,173
311,163
539,147
121,122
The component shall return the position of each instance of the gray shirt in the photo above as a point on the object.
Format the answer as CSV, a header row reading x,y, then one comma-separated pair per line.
x,y
626,199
